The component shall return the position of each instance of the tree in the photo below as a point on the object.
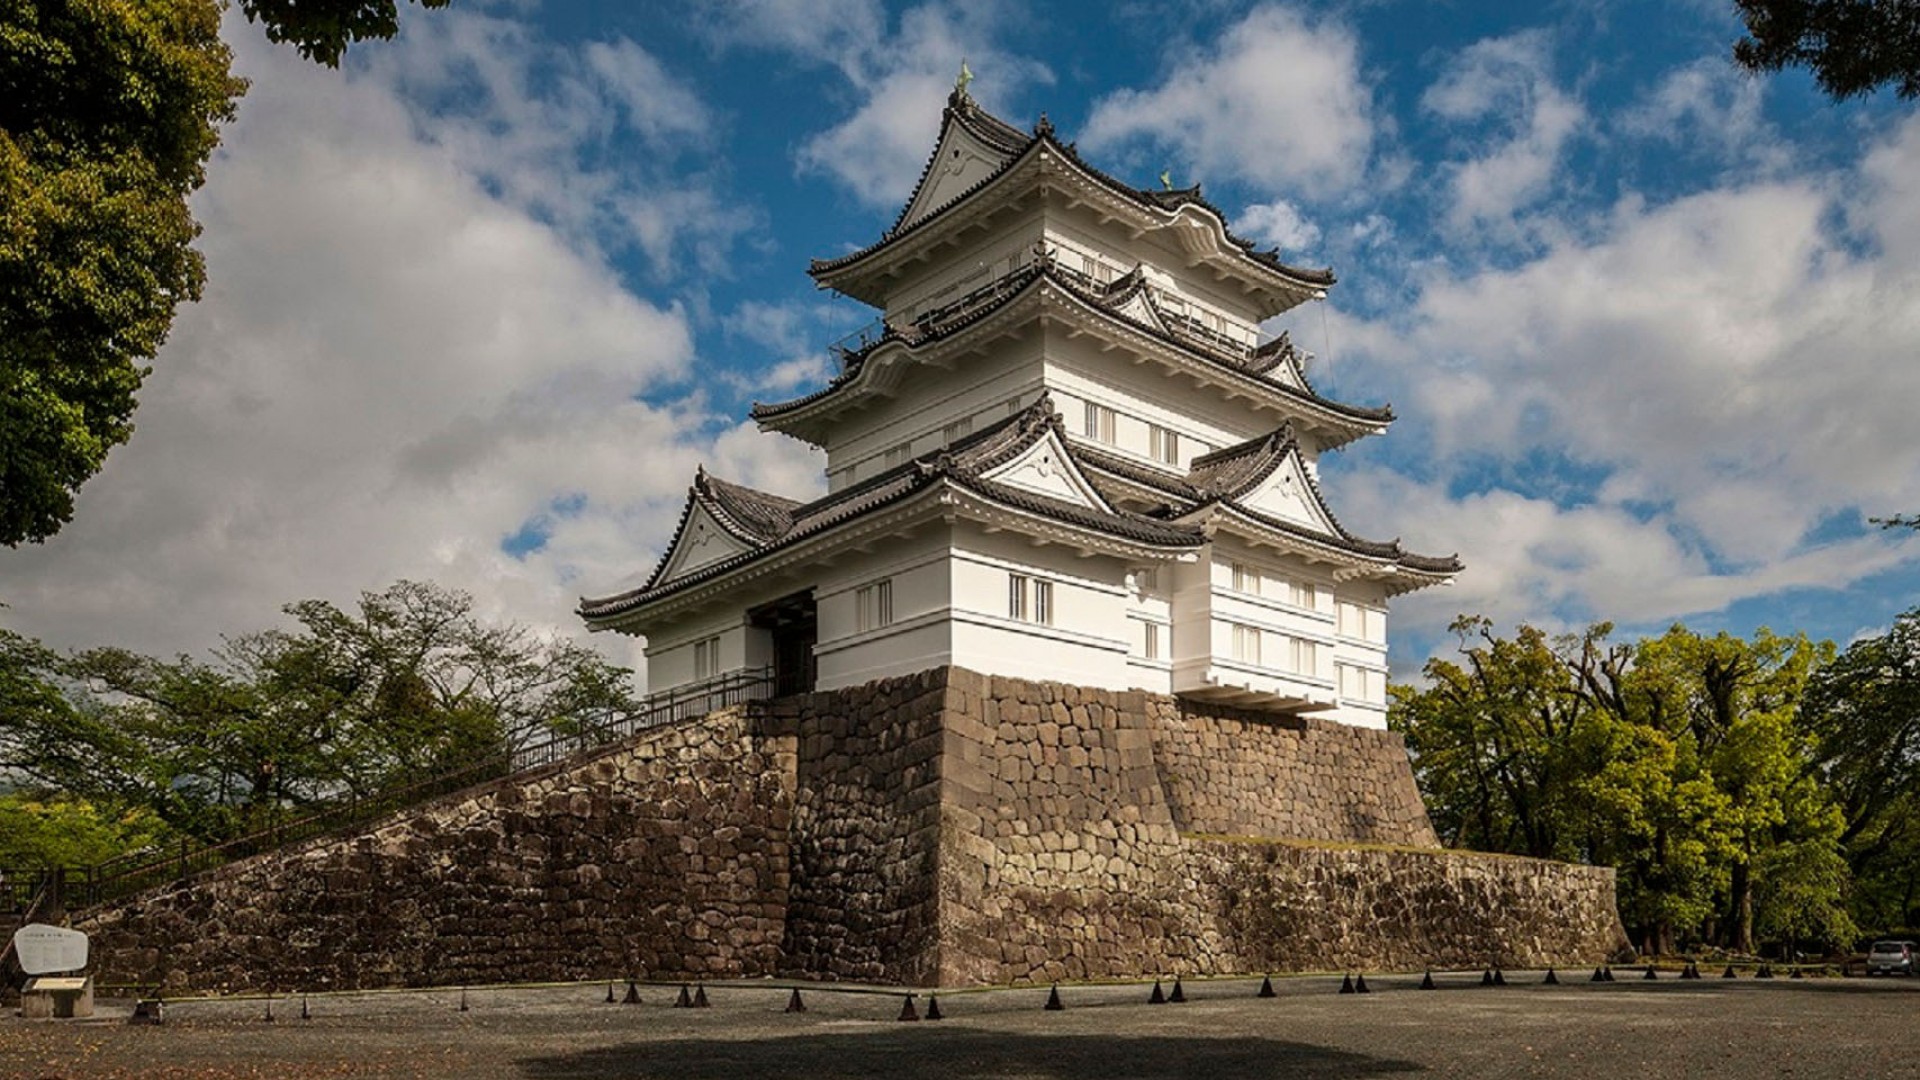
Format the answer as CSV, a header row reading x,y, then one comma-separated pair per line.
x,y
1864,709
322,29
1852,47
409,685
1679,760
109,110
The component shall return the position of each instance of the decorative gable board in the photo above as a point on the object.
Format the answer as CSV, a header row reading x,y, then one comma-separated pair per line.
x,y
702,543
961,162
1141,310
1045,468
1286,494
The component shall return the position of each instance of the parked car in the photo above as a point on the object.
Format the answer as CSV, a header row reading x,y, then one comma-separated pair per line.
x,y
1891,958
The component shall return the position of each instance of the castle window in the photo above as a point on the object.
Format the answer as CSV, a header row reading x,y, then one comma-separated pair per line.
x,y
706,658
1246,579
1301,656
1029,600
1246,644
1165,444
1100,421
956,430
875,604
1150,640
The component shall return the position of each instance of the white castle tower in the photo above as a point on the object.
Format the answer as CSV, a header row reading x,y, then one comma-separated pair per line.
x,y
1061,453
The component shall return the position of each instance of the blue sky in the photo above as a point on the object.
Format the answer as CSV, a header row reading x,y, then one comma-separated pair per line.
x,y
482,300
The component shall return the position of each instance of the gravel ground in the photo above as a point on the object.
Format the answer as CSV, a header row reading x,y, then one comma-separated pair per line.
x,y
1669,1028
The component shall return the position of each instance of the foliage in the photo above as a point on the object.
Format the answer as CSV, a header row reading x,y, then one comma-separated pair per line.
x,y
322,29
43,832
1864,710
410,684
107,115
1679,760
1852,46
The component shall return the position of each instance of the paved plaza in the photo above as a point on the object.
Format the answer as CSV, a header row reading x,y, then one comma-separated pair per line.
x,y
1668,1028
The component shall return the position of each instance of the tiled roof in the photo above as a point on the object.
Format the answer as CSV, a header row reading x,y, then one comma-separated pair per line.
x,y
1221,478
1106,299
961,465
1017,145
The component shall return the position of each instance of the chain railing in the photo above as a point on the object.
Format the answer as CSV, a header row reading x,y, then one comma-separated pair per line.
x,y
142,870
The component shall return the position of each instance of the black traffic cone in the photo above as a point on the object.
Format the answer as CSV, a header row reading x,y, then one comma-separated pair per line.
x,y
633,993
269,1017
1606,973
685,1000
1179,995
609,993
1266,986
1597,976
1426,981
305,1013
1729,973
1651,974
1053,999
794,1004
1159,996
907,1011
1551,979
1486,977
700,997
933,1008
1499,977
1346,984
1360,984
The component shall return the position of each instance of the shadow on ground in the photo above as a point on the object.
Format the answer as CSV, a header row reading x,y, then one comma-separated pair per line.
x,y
962,1054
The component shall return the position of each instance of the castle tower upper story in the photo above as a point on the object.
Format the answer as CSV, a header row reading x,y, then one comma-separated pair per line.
x,y
1016,267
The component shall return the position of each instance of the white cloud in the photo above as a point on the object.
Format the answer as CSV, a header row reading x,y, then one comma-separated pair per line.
x,y
1277,102
1732,371
1278,223
397,364
900,77
903,81
1502,88
1706,103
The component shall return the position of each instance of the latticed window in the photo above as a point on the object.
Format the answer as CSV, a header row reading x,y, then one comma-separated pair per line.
x,y
1029,600
875,604
1165,445
1246,579
706,658
1100,423
1246,643
1150,640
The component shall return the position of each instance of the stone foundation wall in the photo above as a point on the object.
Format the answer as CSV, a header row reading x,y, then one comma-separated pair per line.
x,y
1236,773
866,826
941,828
665,856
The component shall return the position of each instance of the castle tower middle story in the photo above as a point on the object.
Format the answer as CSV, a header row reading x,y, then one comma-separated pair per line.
x,y
1060,452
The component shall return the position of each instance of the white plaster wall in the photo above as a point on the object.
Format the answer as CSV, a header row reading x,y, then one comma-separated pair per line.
x,y
1086,642
917,637
983,389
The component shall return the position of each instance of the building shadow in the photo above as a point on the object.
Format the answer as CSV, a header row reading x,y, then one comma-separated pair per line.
x,y
961,1054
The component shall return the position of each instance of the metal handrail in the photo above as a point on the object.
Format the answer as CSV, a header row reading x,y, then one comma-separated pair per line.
x,y
139,871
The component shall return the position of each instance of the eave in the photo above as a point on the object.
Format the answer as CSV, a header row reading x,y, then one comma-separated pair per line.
x,y
1047,166
879,370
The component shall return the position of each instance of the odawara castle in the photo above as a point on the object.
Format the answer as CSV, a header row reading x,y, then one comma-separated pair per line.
x,y
1072,673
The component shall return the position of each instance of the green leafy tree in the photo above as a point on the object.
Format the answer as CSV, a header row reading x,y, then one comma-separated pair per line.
x,y
109,110
1680,760
1864,710
1852,46
408,685
322,29
49,831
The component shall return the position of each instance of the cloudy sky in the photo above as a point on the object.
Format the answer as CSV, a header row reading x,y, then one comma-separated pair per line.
x,y
481,300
